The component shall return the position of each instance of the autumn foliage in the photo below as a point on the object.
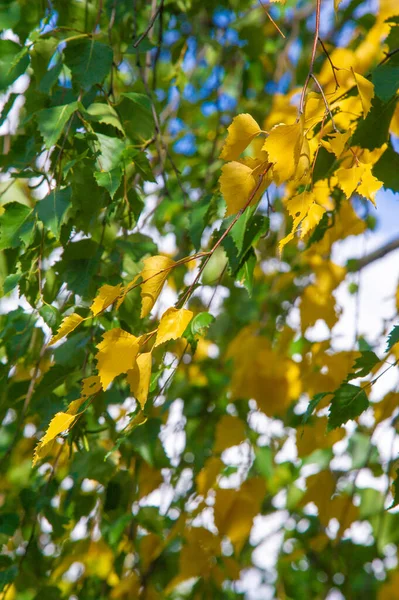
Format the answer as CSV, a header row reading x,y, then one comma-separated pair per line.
x,y
184,411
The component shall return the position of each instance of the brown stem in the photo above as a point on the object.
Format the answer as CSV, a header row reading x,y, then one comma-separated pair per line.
x,y
271,19
333,67
312,58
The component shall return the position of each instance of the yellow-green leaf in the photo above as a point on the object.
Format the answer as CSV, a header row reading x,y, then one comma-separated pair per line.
x,y
173,324
107,294
68,324
369,185
366,92
61,422
139,378
117,354
156,270
242,131
283,146
236,184
312,218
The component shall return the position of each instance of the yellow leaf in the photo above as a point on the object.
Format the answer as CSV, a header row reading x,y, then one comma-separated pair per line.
x,y
298,208
117,354
173,324
366,92
236,184
389,589
283,146
90,386
149,479
241,132
348,179
274,381
384,409
235,510
230,431
338,141
369,185
58,424
139,378
312,219
206,478
155,272
107,294
315,437
68,324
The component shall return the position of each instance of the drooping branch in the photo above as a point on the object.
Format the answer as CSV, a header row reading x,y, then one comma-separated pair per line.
x,y
357,264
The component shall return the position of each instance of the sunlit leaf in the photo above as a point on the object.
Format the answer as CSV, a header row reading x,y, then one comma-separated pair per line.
x,y
173,324
116,354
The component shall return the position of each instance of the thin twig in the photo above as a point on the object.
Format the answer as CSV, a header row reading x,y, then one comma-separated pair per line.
x,y
271,19
328,109
150,25
312,58
333,67
190,290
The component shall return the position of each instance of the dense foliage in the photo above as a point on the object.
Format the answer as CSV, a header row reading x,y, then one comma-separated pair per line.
x,y
180,417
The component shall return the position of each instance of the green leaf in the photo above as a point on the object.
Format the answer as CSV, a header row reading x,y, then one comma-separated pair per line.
x,y
364,364
51,315
256,227
141,118
52,209
319,231
11,282
387,169
7,108
200,323
111,150
246,273
317,398
7,576
16,225
52,121
348,402
392,39
395,485
197,219
50,78
10,14
110,180
13,62
239,229
386,81
393,338
372,132
8,523
100,112
197,327
141,163
90,62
